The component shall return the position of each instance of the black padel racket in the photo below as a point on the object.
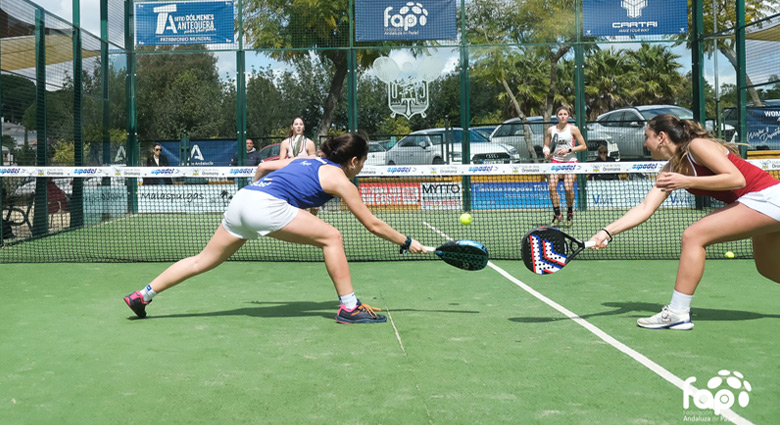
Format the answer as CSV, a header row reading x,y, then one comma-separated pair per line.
x,y
464,254
546,250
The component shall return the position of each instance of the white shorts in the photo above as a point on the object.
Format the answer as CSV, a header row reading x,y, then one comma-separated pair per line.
x,y
252,213
766,201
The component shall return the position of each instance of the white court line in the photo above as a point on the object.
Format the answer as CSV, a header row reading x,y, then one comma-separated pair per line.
x,y
639,357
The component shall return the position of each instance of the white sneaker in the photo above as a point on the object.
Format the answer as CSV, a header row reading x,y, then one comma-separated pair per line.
x,y
667,319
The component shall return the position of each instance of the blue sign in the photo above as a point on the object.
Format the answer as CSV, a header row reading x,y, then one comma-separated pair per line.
x,y
488,196
201,153
634,17
763,127
384,20
186,22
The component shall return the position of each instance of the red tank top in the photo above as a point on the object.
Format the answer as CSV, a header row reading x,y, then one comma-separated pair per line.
x,y
755,179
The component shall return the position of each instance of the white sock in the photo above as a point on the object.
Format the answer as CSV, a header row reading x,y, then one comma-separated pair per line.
x,y
349,301
680,303
148,293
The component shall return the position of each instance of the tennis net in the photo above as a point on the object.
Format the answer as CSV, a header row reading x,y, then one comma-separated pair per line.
x,y
126,214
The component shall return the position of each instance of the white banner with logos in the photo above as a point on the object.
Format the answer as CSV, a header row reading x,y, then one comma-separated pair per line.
x,y
195,198
623,194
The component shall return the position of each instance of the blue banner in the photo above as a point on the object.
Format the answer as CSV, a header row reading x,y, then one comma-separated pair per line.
x,y
763,127
383,20
187,22
201,153
490,196
634,17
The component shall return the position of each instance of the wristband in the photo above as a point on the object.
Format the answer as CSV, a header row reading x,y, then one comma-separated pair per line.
x,y
546,150
608,234
406,245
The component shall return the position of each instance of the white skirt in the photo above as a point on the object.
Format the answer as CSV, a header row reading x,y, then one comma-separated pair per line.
x,y
765,201
252,213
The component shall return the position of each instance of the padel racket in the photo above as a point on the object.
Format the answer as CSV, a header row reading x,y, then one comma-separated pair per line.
x,y
546,250
464,254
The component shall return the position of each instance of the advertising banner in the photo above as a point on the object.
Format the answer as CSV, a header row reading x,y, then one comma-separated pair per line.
x,y
183,22
634,17
625,194
391,194
512,195
194,199
383,20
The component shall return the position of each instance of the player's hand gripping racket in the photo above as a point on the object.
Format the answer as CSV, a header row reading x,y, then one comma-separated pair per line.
x,y
463,254
546,250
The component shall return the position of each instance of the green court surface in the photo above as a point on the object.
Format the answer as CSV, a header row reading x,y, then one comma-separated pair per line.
x,y
256,343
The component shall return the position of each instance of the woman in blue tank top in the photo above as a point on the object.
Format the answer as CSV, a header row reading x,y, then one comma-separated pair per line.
x,y
274,205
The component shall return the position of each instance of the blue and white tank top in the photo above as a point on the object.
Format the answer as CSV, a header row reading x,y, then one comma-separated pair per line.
x,y
298,183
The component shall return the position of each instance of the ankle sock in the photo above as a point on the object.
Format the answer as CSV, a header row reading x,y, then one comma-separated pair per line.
x,y
148,293
680,303
349,301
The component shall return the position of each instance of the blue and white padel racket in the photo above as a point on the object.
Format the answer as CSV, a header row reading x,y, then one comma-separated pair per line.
x,y
464,254
546,250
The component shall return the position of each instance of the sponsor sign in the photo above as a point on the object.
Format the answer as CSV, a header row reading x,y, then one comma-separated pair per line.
x,y
634,17
195,198
625,194
441,196
183,22
512,195
391,194
382,20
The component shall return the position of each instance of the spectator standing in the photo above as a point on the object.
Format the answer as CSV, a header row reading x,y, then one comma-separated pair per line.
x,y
252,155
157,159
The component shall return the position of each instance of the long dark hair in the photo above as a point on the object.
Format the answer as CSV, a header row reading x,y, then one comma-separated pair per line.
x,y
341,149
681,132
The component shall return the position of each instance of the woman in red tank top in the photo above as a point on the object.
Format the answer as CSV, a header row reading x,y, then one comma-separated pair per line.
x,y
704,166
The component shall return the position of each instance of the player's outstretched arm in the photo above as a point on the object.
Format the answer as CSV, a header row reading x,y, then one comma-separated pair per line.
x,y
634,217
336,183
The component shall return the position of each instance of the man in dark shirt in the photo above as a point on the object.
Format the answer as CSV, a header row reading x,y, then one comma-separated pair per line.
x,y
252,156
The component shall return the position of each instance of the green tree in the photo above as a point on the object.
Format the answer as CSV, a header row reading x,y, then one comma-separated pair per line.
x,y
294,29
178,93
655,73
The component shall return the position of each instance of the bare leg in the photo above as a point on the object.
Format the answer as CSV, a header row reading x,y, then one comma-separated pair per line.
x,y
733,222
221,246
568,186
765,249
310,230
552,184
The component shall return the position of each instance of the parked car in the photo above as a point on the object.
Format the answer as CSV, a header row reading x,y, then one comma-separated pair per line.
x,y
377,155
627,126
512,132
270,152
485,130
434,146
763,124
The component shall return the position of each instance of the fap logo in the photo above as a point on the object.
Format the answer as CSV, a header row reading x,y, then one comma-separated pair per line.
x,y
408,16
723,390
